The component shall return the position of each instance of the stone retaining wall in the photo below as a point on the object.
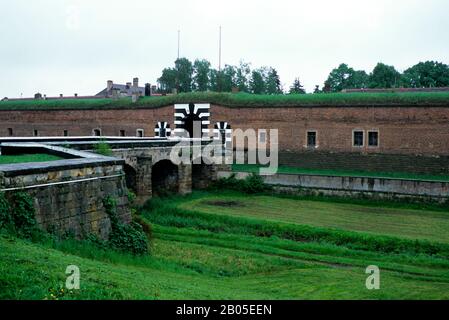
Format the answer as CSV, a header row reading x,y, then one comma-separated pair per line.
x,y
353,186
69,193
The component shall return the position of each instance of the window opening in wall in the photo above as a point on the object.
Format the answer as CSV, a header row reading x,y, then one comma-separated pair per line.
x,y
122,133
358,138
10,132
66,133
140,133
35,133
373,139
311,139
97,132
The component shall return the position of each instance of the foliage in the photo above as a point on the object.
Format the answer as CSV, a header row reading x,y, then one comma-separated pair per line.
x,y
170,215
103,148
384,76
5,212
345,77
22,158
238,100
17,214
426,74
297,87
128,238
257,83
251,184
184,69
201,75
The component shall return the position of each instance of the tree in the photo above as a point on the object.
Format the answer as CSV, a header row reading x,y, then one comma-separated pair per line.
x,y
184,70
227,79
345,77
214,84
297,87
257,82
317,89
201,75
242,75
426,74
167,81
273,82
384,76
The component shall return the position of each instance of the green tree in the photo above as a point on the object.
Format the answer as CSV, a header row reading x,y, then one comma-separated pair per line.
x,y
426,74
273,82
384,76
345,77
167,81
228,78
201,75
257,82
242,76
184,69
297,87
214,79
317,89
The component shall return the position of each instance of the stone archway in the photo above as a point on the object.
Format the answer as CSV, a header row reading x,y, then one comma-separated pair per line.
x,y
130,177
164,177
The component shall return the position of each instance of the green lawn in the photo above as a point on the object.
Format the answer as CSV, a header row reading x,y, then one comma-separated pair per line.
x,y
200,253
407,223
344,173
239,100
28,158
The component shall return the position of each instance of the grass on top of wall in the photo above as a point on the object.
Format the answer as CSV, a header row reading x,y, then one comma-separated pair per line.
x,y
239,100
9,159
343,173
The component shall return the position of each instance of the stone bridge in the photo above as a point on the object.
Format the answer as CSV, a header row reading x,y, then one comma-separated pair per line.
x,y
148,167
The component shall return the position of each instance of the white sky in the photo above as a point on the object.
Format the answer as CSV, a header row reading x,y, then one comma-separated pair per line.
x,y
68,46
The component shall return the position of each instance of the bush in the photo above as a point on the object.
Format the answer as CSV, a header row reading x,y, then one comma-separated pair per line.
x,y
5,212
103,148
17,214
251,184
128,238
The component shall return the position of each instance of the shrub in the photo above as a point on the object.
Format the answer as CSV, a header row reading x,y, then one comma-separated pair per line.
x,y
251,184
5,212
128,238
103,148
17,214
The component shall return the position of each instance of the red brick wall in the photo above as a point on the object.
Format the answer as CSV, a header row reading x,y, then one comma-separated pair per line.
x,y
402,130
82,122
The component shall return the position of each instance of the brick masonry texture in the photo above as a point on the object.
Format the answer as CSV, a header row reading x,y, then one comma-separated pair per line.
x,y
409,132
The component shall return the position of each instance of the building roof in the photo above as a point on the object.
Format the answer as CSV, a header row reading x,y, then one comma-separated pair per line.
x,y
123,88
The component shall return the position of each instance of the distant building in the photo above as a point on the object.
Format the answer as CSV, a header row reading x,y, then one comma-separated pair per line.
x,y
123,90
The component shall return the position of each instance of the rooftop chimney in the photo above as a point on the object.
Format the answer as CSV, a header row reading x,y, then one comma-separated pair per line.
x,y
109,85
135,82
128,85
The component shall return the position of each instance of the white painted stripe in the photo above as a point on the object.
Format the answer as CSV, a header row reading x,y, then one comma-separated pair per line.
x,y
204,114
179,122
205,122
182,107
201,106
180,115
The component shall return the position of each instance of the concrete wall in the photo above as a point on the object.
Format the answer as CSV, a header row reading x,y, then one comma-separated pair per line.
x,y
69,193
334,185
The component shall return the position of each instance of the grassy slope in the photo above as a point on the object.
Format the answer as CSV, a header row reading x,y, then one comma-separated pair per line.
x,y
240,100
411,224
184,268
188,263
28,158
343,173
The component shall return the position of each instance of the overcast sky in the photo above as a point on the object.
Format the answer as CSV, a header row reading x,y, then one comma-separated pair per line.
x,y
68,46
